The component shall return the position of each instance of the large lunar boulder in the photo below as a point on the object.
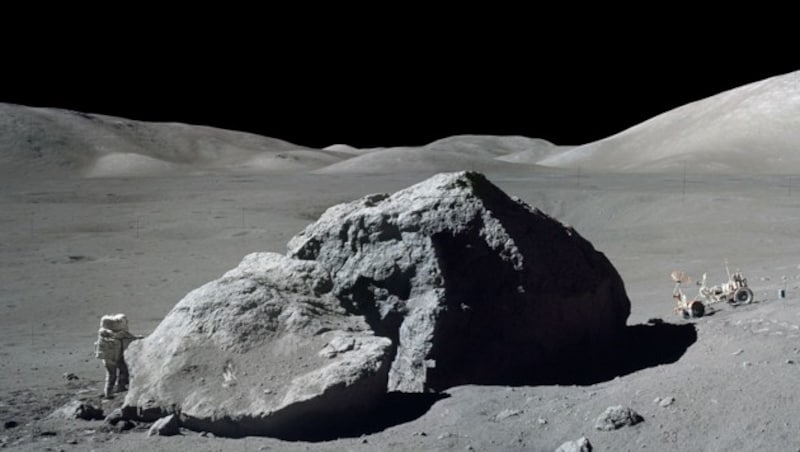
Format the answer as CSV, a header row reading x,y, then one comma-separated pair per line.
x,y
447,282
470,285
264,350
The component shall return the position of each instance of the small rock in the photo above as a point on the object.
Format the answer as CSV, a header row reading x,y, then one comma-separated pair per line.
x,y
69,376
76,409
364,441
114,417
148,411
746,364
541,421
507,413
445,435
579,445
72,441
615,417
10,424
124,425
789,361
737,352
666,401
419,434
207,435
166,426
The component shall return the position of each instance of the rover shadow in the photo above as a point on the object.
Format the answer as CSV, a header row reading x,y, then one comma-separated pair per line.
x,y
394,409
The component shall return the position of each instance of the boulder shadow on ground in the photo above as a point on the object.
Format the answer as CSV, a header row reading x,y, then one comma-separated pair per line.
x,y
395,408
638,347
644,346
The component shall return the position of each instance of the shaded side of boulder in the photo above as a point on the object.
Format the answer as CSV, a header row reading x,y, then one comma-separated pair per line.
x,y
471,285
256,351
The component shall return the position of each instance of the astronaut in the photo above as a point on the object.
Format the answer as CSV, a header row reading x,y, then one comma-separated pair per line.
x,y
112,340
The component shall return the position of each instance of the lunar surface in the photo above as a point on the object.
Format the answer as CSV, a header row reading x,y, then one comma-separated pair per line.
x,y
100,215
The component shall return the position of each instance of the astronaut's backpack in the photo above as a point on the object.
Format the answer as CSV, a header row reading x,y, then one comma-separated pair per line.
x,y
107,348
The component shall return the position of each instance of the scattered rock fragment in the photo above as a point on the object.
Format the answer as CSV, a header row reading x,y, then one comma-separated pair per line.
x,y
166,426
579,445
10,424
69,376
114,417
666,401
76,409
615,417
124,425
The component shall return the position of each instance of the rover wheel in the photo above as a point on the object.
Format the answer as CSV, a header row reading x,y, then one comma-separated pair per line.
x,y
743,295
698,308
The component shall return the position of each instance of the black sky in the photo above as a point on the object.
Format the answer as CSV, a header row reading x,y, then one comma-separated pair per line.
x,y
364,90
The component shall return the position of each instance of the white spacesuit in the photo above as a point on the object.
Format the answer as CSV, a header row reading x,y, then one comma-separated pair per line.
x,y
112,340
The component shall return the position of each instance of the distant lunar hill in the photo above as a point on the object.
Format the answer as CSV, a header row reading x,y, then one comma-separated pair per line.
x,y
50,141
753,128
460,152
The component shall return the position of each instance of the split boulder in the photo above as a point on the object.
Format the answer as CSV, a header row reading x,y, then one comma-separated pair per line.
x,y
447,282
